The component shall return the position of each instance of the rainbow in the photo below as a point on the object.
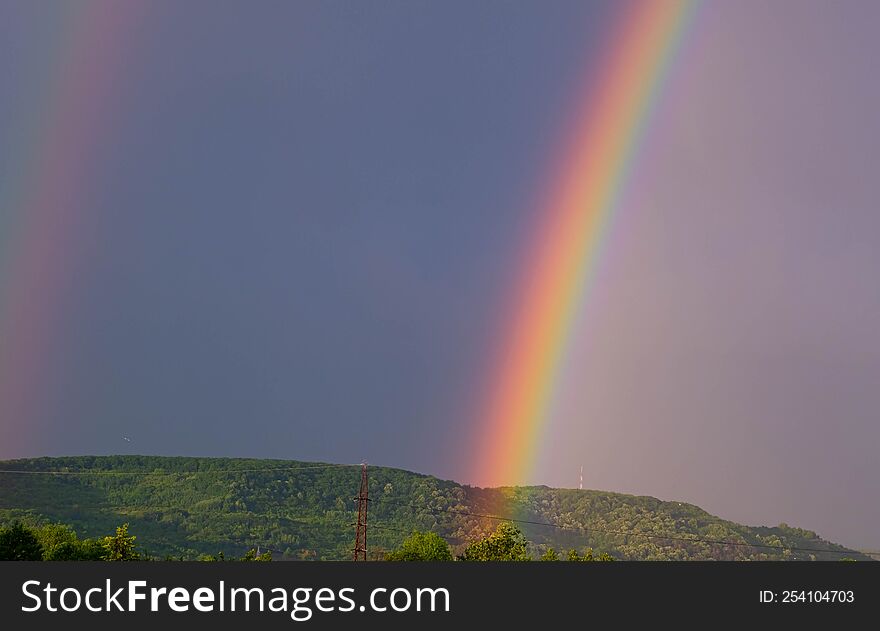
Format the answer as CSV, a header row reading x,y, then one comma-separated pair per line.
x,y
49,200
563,257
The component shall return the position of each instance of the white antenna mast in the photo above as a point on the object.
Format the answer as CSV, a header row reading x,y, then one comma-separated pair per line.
x,y
581,484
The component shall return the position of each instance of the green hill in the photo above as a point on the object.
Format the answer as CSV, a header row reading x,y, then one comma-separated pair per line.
x,y
304,510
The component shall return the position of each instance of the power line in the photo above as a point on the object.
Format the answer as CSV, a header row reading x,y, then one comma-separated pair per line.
x,y
408,531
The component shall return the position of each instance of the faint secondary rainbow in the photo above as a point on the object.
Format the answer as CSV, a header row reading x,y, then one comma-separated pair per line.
x,y
45,205
561,262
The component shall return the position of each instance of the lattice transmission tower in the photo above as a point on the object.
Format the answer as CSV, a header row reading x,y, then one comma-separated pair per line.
x,y
360,538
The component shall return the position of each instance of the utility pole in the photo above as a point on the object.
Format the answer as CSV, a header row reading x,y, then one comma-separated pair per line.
x,y
360,538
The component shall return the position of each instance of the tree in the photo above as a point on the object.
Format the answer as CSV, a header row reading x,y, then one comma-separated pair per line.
x,y
550,555
120,547
421,546
18,543
507,543
79,550
219,557
588,556
60,543
254,555
53,537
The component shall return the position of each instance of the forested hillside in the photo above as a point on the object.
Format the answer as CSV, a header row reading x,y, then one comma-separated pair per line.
x,y
188,507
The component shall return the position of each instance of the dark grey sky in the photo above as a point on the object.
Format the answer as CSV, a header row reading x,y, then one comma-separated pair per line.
x,y
299,218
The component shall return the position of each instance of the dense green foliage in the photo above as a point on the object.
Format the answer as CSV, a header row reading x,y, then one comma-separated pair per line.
x,y
193,507
507,543
586,556
120,547
421,546
254,555
58,542
18,543
552,555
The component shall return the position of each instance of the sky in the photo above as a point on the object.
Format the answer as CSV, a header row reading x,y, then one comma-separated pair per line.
x,y
287,230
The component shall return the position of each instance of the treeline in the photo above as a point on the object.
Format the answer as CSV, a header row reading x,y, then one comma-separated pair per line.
x,y
59,542
507,543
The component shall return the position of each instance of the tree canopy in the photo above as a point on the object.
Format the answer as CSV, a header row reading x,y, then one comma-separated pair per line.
x,y
421,546
507,543
120,547
18,543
